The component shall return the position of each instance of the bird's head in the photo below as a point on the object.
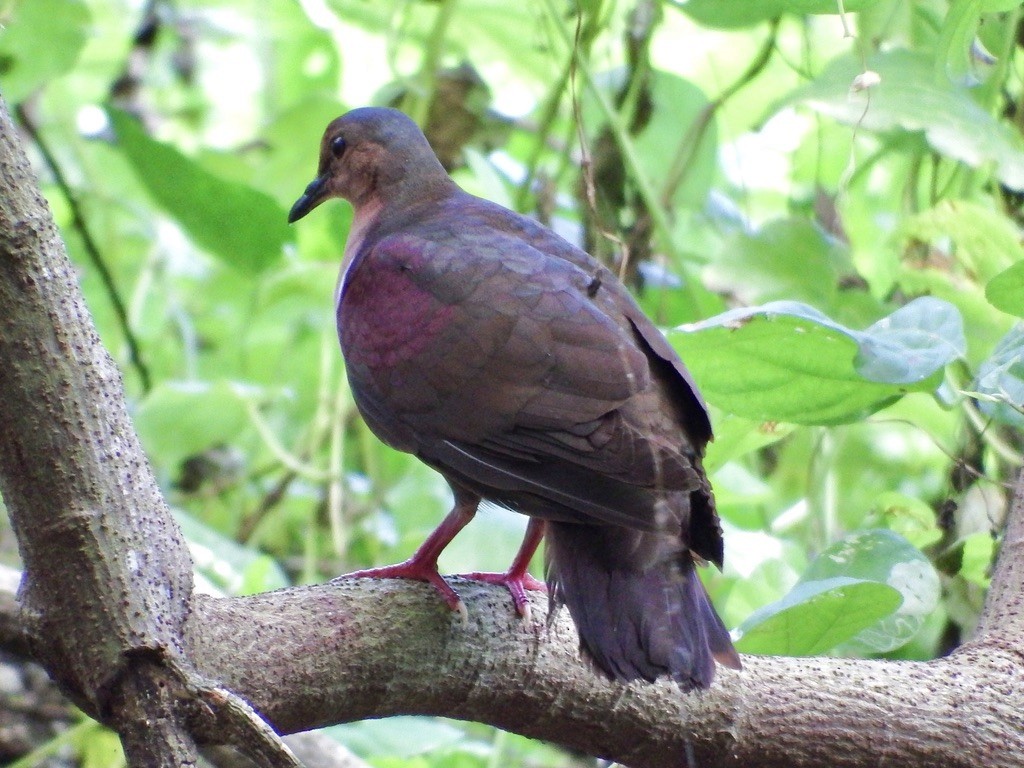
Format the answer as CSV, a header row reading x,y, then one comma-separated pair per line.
x,y
371,153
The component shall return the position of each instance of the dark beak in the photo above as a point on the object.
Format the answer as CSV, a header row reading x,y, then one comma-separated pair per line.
x,y
315,194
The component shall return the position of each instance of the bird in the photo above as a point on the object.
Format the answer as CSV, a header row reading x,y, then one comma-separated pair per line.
x,y
526,374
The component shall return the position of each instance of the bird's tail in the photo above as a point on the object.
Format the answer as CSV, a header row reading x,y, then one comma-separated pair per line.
x,y
639,607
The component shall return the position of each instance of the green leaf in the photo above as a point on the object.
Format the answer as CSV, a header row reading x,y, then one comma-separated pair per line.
x,y
100,747
39,40
215,414
785,259
676,107
730,13
999,6
910,98
1001,380
816,616
306,57
403,737
241,226
885,557
786,361
984,241
953,54
736,437
912,343
976,564
228,566
1005,291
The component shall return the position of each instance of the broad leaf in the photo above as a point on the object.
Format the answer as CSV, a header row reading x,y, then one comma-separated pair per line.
x,y
730,13
910,98
229,567
1001,380
984,241
238,224
953,59
912,343
25,65
816,616
1006,290
787,361
215,414
678,106
785,259
397,737
887,558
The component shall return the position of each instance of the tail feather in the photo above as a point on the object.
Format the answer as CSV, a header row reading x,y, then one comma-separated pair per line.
x,y
638,604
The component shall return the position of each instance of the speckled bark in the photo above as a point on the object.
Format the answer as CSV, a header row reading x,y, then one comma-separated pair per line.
x,y
107,570
313,656
107,591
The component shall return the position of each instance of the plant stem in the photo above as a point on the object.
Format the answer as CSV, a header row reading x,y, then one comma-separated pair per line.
x,y
659,217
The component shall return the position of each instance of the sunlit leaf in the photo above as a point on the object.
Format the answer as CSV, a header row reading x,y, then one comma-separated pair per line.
x,y
229,567
678,106
887,558
910,98
953,57
100,748
984,241
1001,378
25,65
786,361
785,259
215,414
912,343
816,616
403,737
730,13
240,225
1006,290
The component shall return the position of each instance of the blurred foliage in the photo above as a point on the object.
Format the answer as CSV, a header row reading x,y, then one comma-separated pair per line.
x,y
825,208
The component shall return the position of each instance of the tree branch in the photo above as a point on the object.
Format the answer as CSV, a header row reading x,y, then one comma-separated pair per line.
x,y
92,250
318,655
108,576
1002,620
91,524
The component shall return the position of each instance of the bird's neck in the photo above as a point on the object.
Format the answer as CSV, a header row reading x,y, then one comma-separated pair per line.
x,y
397,204
365,215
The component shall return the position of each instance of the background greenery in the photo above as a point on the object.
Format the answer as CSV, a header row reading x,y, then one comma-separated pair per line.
x,y
823,211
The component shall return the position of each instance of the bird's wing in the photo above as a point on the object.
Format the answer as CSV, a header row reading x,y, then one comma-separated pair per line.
x,y
520,373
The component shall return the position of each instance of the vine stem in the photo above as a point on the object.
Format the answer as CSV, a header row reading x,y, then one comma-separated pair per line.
x,y
662,225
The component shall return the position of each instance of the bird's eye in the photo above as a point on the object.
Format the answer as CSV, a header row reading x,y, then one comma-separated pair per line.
x,y
338,146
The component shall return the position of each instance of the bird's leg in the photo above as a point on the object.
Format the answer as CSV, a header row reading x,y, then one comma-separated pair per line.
x,y
422,566
517,578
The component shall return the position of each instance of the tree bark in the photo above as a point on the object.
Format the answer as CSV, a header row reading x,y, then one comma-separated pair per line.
x,y
108,576
318,655
96,538
107,605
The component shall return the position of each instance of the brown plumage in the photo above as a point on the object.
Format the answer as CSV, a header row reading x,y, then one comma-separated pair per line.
x,y
523,371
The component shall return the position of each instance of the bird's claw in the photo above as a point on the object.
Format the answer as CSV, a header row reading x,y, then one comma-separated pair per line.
x,y
516,583
415,570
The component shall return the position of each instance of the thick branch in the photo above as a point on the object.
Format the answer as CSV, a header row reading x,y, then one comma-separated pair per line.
x,y
1002,621
312,656
108,577
107,570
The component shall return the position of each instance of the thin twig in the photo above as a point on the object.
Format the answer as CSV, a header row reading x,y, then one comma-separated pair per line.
x,y
91,248
659,216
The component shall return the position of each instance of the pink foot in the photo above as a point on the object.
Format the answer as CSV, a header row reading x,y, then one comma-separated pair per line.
x,y
516,583
422,566
417,570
